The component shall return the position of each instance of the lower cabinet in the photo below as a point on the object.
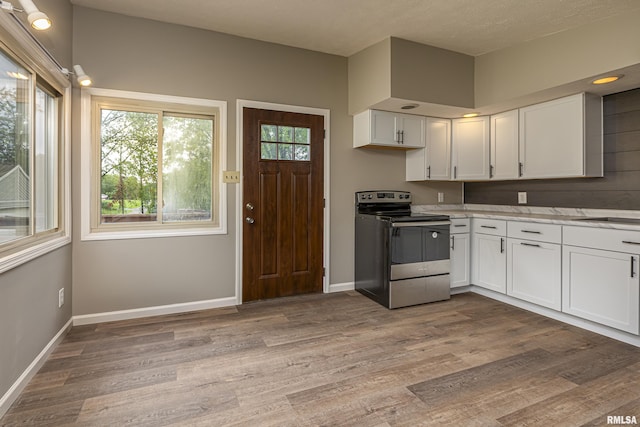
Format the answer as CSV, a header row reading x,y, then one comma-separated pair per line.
x,y
489,262
601,286
534,272
460,256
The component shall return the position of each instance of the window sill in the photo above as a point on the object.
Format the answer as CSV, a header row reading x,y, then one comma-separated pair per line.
x,y
32,252
151,234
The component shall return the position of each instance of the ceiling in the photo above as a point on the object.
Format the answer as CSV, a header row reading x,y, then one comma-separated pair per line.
x,y
344,27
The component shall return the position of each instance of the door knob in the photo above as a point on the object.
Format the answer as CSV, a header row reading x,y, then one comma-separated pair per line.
x,y
249,206
249,220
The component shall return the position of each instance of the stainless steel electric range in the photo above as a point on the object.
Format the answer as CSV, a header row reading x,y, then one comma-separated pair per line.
x,y
401,258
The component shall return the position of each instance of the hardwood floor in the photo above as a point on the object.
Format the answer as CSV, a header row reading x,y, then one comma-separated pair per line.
x,y
335,359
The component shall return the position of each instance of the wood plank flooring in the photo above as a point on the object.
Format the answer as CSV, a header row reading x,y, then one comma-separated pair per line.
x,y
335,360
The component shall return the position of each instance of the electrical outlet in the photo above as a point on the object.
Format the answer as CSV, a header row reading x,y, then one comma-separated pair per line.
x,y
522,197
440,197
231,177
60,297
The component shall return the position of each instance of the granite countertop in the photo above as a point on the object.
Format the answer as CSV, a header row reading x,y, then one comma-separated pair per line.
x,y
560,216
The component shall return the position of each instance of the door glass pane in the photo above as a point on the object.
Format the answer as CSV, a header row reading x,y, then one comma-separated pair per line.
x,y
285,134
15,174
46,165
302,135
303,153
187,154
285,151
269,133
269,151
129,162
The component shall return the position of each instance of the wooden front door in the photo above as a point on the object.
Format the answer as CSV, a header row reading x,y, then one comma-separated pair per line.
x,y
283,204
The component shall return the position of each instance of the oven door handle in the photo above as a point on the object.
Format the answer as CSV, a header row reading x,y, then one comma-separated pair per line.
x,y
419,223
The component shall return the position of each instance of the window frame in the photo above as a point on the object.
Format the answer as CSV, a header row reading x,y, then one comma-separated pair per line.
x,y
91,226
45,75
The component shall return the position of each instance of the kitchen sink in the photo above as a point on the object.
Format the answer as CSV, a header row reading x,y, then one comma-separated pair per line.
x,y
610,219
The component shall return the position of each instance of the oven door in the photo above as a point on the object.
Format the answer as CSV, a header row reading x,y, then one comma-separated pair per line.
x,y
419,249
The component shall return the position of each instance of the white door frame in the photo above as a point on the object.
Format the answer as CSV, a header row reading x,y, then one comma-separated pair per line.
x,y
240,105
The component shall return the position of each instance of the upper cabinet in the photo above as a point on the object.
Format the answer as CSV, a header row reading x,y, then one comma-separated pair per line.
x,y
504,146
385,129
562,138
470,140
432,162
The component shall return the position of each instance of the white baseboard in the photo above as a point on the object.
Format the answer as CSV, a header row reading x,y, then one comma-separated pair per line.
x,y
14,391
341,287
136,313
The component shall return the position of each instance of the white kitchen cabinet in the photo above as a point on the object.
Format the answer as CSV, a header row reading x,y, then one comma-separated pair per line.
x,y
460,252
386,129
561,138
534,272
470,141
504,146
488,254
600,279
434,161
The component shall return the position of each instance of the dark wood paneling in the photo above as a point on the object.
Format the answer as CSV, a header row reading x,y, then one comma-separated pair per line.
x,y
619,188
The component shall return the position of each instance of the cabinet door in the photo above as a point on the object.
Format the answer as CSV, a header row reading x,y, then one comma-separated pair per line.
x,y
460,251
384,128
552,138
534,272
471,143
438,144
489,262
504,145
601,286
412,130
432,162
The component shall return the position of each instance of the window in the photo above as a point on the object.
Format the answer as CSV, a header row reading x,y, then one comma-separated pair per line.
x,y
31,148
157,162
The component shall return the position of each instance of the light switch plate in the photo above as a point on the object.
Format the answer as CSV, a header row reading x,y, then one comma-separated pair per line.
x,y
522,197
231,177
440,197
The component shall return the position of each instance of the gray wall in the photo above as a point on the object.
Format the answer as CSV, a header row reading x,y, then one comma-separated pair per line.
x,y
618,189
147,56
29,313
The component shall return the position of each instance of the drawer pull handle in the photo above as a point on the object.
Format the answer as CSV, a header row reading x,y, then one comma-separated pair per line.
x,y
630,243
633,273
531,231
459,225
453,243
531,244
501,245
489,226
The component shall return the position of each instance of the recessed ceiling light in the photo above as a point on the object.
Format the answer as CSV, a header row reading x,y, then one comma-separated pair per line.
x,y
605,80
409,106
470,115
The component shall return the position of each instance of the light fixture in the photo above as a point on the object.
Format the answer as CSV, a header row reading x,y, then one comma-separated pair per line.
x,y
409,106
606,79
38,20
470,115
82,77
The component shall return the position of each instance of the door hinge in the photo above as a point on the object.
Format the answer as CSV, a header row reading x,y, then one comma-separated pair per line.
x,y
324,271
324,133
324,203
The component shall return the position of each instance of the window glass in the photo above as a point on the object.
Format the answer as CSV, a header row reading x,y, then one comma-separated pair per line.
x,y
129,166
46,161
15,125
187,149
156,167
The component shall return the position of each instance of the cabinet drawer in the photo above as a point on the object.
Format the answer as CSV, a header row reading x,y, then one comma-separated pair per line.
x,y
602,238
460,225
550,233
495,227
